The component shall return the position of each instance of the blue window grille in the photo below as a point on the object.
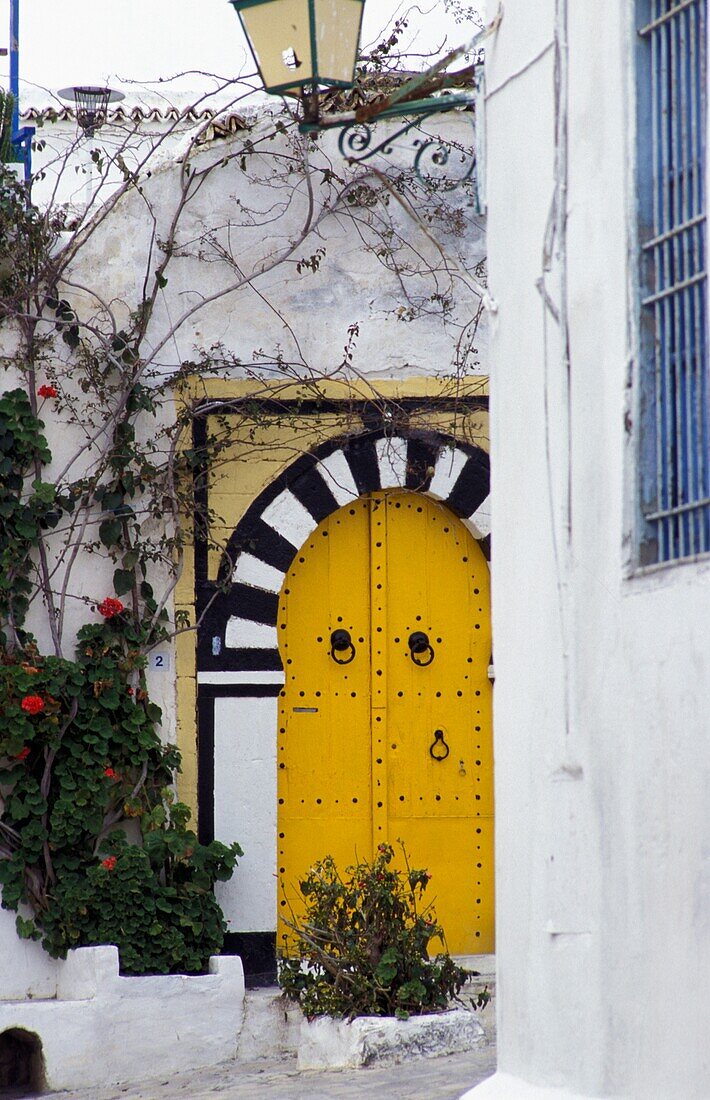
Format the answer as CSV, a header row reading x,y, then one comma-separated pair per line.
x,y
675,387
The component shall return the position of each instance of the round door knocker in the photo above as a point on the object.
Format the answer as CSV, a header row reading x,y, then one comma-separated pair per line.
x,y
341,642
438,750
419,646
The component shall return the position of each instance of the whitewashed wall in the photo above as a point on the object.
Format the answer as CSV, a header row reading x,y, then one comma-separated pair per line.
x,y
62,167
602,679
351,285
245,808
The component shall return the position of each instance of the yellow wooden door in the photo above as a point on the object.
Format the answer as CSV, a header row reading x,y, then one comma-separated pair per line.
x,y
379,741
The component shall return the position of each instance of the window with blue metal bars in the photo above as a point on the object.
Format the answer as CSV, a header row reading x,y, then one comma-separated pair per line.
x,y
674,378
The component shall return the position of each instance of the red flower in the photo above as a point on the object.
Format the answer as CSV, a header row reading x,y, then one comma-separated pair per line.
x,y
47,391
130,691
109,863
110,607
32,704
111,774
22,754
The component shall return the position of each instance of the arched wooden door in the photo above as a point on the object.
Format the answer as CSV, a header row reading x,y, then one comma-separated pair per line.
x,y
379,743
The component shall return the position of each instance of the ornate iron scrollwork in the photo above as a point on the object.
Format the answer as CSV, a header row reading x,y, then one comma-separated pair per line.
x,y
433,158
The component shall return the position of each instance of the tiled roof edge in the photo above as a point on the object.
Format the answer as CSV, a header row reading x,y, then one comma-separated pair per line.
x,y
121,114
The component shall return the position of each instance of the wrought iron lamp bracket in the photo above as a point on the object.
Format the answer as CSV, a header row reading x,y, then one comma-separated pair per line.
x,y
431,155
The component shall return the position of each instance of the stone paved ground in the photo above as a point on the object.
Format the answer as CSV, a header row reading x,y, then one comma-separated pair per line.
x,y
443,1078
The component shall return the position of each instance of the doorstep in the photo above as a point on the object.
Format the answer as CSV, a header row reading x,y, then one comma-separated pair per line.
x,y
484,964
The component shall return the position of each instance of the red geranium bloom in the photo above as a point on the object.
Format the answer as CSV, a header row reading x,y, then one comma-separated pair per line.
x,y
110,607
32,704
111,774
47,391
22,754
109,863
129,690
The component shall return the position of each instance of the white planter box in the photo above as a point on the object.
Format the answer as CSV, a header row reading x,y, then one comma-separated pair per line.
x,y
327,1043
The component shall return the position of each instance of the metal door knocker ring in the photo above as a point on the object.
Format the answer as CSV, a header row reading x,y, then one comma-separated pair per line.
x,y
438,750
419,645
341,642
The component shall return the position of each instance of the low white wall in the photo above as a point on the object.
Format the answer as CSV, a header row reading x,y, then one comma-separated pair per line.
x,y
327,1043
102,1029
26,970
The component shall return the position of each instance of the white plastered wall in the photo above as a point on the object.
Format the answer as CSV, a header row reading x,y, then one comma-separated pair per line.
x,y
351,285
602,679
98,1028
245,808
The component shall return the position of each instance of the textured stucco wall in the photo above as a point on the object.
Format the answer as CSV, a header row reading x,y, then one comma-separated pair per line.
x,y
306,314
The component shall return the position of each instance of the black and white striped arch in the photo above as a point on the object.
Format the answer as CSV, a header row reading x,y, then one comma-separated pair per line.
x,y
238,632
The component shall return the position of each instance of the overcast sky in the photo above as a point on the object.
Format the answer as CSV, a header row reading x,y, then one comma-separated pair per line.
x,y
67,42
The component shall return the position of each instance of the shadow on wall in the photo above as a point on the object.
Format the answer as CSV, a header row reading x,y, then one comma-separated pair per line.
x,y
21,1063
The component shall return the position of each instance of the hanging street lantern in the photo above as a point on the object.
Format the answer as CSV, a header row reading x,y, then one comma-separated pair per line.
x,y
90,105
301,46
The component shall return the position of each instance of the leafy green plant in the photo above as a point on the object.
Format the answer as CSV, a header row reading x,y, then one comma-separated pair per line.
x,y
82,771
121,899
92,838
362,946
26,511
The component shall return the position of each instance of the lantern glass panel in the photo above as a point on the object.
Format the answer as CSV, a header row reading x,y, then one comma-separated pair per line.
x,y
337,36
280,37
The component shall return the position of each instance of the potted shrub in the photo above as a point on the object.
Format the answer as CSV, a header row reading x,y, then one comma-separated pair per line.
x,y
362,946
